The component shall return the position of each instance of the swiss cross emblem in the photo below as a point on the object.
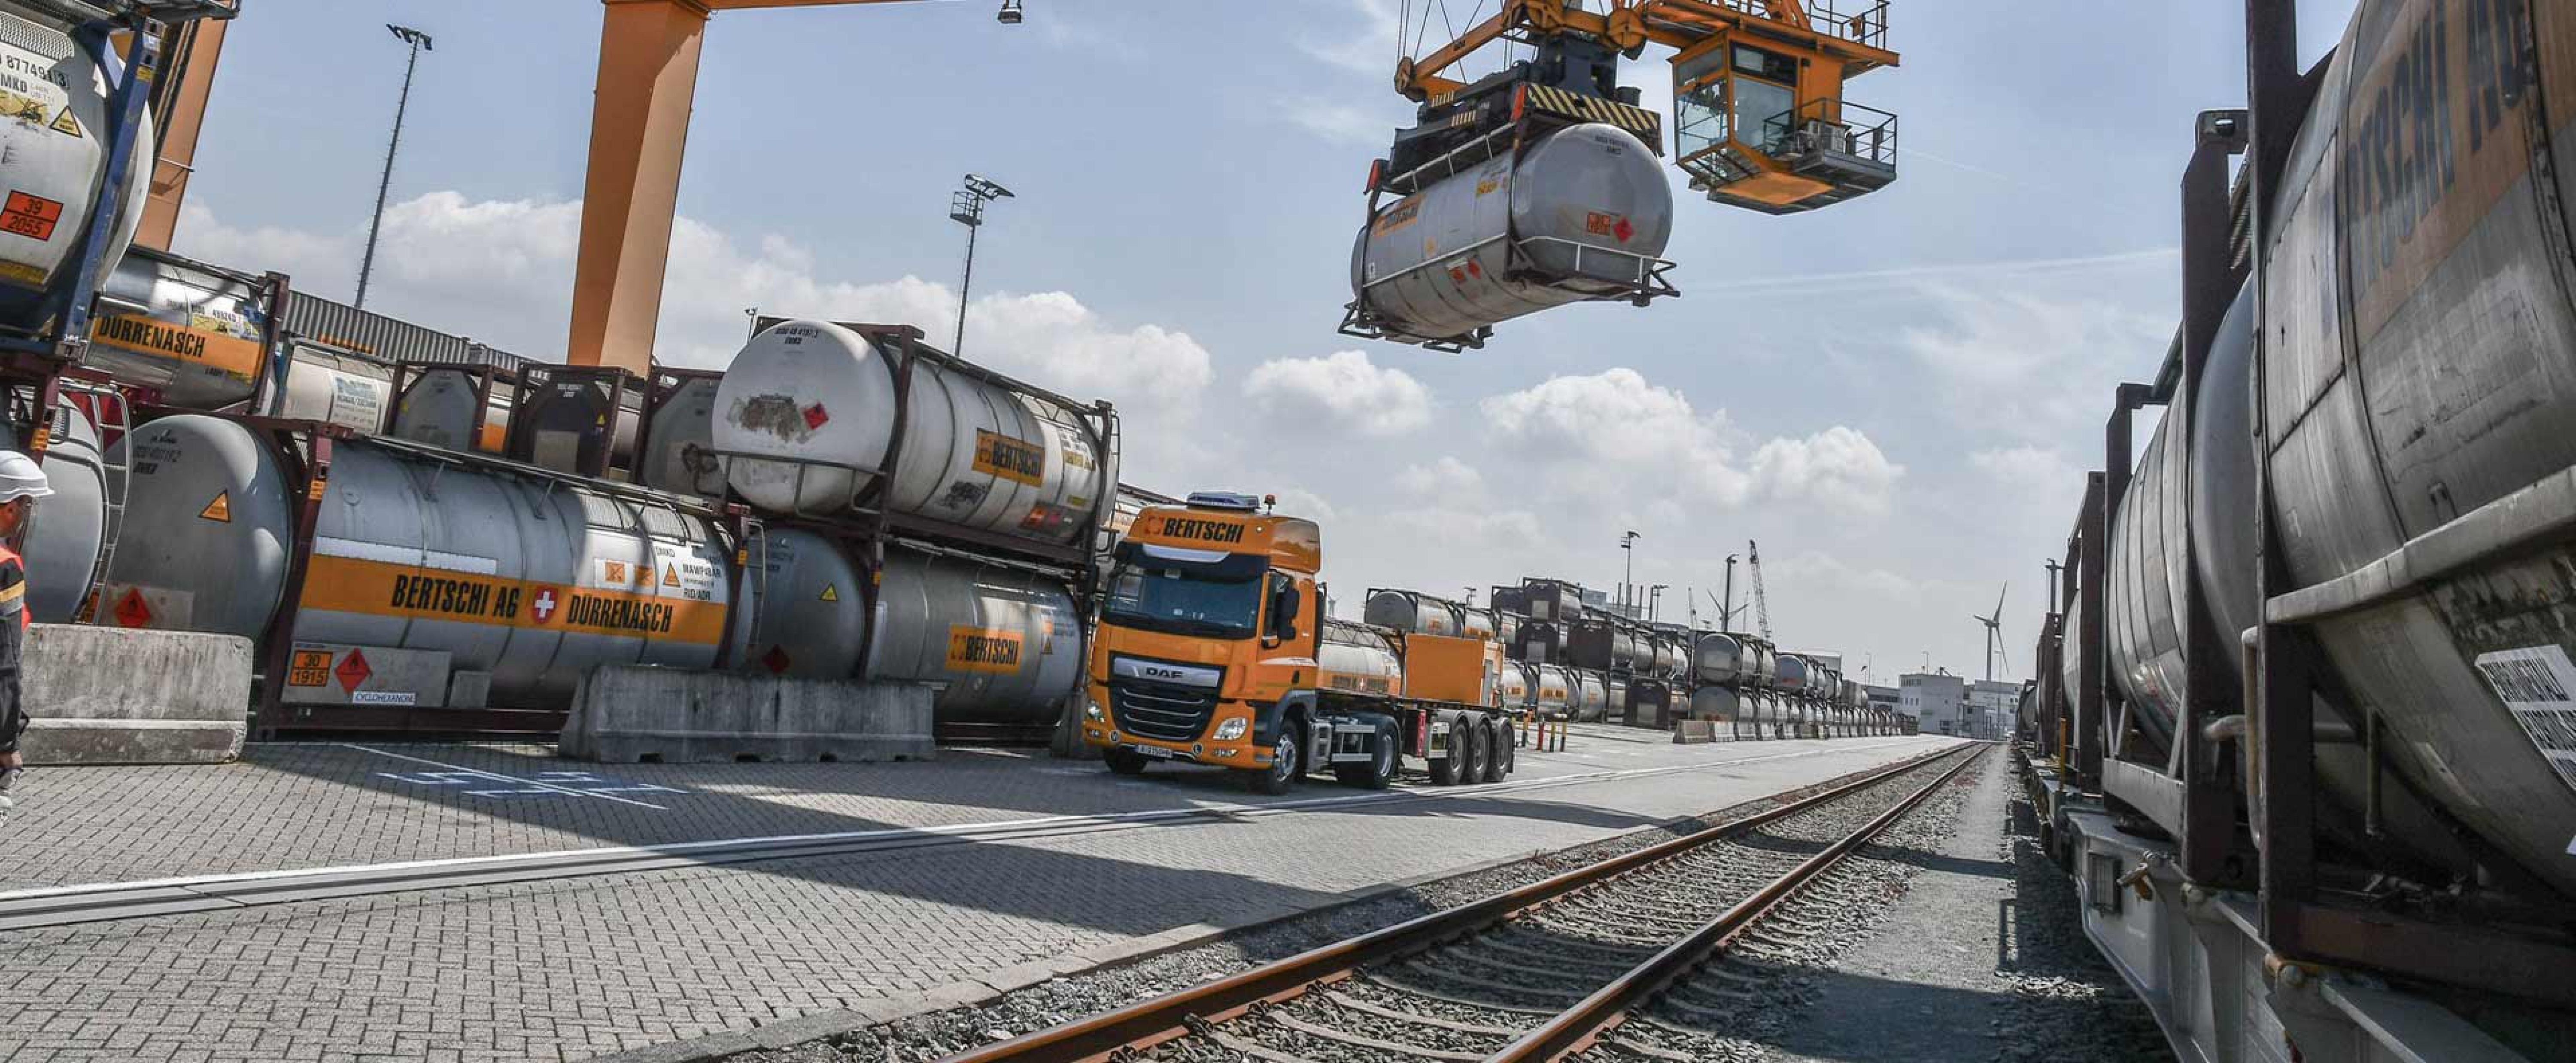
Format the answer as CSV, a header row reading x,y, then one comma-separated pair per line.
x,y
543,605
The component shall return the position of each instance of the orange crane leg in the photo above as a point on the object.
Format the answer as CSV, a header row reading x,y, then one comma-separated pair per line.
x,y
639,129
182,106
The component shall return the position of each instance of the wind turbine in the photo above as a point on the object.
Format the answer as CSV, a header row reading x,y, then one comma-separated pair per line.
x,y
1994,630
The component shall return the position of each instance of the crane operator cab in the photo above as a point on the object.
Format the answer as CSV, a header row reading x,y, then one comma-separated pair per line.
x,y
1759,119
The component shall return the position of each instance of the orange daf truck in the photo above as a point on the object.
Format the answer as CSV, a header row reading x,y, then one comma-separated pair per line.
x,y
1213,648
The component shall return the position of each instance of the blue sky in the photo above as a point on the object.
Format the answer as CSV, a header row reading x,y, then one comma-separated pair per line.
x,y
1895,395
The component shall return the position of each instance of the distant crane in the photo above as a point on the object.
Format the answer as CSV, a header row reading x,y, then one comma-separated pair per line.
x,y
1761,604
1994,630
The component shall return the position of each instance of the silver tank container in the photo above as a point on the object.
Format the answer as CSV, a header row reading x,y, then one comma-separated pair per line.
x,y
1476,623
1575,217
1513,685
1354,657
1716,703
1790,673
1717,658
336,387
1507,629
1412,613
1591,694
62,546
1614,695
675,454
808,412
193,332
1007,642
56,151
437,409
813,617
1552,689
533,579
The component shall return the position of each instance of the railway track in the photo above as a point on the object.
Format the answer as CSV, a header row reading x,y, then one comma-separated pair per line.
x,y
1546,972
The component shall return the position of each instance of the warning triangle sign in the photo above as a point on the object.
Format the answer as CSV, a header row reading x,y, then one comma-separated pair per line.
x,y
65,123
831,593
220,510
670,575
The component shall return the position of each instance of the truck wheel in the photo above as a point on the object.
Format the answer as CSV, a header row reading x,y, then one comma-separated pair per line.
x,y
1444,771
1472,770
1287,762
1380,770
1124,761
1496,749
1511,747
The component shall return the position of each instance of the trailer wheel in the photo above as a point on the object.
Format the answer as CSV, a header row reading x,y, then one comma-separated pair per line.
x,y
1496,750
1287,761
1472,770
1444,771
1380,770
1511,747
1124,761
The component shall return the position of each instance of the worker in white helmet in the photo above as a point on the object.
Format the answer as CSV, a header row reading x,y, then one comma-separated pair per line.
x,y
22,482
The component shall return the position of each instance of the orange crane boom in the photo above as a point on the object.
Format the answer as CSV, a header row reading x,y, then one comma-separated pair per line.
x,y
639,129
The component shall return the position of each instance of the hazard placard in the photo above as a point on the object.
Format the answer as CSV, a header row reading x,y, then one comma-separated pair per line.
x,y
220,510
66,124
311,668
831,593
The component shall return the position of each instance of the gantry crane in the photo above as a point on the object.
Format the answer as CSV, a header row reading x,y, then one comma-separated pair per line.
x,y
1760,120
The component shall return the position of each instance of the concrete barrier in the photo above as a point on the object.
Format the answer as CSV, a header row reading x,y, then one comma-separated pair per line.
x,y
1694,732
623,714
103,695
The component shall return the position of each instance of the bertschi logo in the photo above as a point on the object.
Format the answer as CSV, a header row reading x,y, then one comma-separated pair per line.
x,y
1213,531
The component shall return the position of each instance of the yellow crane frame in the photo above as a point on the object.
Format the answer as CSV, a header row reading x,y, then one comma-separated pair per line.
x,y
1749,167
639,129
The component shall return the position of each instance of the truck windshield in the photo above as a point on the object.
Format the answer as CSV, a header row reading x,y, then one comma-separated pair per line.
x,y
1170,600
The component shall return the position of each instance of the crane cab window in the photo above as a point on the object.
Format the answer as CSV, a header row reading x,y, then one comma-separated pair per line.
x,y
1764,96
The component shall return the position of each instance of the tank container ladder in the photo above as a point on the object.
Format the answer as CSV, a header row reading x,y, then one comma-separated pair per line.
x,y
115,470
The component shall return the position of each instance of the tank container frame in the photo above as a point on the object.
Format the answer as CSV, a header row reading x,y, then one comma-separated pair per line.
x,y
905,344
2087,752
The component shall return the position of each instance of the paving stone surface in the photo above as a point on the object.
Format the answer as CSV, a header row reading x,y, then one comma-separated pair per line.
x,y
568,968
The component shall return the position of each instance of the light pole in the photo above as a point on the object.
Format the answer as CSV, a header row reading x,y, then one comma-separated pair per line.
x,y
1727,621
1471,596
967,209
419,42
1628,546
1654,599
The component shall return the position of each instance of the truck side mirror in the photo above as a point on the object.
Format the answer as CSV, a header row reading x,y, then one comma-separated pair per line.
x,y
1283,609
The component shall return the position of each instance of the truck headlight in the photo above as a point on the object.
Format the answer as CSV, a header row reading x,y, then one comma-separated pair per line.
x,y
1091,711
1232,729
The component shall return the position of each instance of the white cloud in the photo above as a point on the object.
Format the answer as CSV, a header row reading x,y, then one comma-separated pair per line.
x,y
501,272
1344,387
2025,468
1447,480
1838,468
1614,434
1300,502
2027,363
1342,123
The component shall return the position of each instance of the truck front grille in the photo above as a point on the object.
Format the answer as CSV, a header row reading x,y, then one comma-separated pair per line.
x,y
1167,713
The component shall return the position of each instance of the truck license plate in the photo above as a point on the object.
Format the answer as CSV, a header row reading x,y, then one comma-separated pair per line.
x,y
1155,751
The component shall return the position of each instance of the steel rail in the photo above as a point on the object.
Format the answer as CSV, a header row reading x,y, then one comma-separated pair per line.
x,y
1578,1027
1171,1016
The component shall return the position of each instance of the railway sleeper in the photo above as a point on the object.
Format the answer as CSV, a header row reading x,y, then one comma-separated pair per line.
x,y
1400,1015
1372,1044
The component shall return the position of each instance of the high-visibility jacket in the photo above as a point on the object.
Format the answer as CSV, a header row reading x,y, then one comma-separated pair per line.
x,y
13,641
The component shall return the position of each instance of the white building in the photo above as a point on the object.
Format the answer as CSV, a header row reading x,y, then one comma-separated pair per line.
x,y
1992,704
1937,701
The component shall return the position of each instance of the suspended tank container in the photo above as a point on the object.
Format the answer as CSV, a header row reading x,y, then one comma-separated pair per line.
x,y
54,129
1581,214
532,579
809,414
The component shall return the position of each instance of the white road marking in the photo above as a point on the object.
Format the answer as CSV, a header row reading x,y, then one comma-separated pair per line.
x,y
961,830
498,777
